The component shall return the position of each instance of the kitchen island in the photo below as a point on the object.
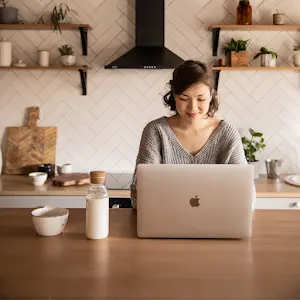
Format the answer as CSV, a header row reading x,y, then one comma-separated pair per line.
x,y
69,266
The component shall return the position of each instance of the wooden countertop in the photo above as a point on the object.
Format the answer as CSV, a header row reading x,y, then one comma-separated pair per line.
x,y
20,185
122,266
16,185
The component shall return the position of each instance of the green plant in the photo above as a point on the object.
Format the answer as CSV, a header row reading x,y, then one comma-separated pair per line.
x,y
264,50
3,2
296,48
66,50
59,15
253,145
236,46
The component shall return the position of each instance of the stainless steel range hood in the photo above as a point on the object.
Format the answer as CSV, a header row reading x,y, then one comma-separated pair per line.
x,y
149,52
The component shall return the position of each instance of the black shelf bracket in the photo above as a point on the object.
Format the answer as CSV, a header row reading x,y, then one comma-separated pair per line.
x,y
84,39
83,78
216,36
217,77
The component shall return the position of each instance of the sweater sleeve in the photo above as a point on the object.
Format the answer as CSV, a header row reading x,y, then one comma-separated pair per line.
x,y
149,153
237,156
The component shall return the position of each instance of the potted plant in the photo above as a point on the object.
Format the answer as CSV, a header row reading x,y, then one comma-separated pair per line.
x,y
8,14
268,58
251,147
67,55
236,53
61,14
296,57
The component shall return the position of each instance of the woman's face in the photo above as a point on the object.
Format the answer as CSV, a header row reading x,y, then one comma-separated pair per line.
x,y
193,103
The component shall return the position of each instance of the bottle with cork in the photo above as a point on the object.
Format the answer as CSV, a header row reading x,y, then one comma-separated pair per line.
x,y
97,207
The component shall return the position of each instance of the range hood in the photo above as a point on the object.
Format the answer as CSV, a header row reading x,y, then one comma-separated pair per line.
x,y
149,51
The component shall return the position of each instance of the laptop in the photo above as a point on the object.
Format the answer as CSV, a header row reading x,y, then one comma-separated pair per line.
x,y
194,201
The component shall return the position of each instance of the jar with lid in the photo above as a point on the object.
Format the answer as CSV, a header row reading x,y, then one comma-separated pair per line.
x,y
97,207
244,13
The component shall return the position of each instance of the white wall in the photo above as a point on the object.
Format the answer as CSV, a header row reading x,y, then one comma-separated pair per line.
x,y
102,130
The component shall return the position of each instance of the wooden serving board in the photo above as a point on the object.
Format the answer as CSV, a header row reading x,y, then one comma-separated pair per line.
x,y
30,145
71,179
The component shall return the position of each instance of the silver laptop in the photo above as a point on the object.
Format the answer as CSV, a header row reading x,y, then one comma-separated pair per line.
x,y
194,201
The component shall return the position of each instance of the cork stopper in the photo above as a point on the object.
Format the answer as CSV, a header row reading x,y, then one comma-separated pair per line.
x,y
97,177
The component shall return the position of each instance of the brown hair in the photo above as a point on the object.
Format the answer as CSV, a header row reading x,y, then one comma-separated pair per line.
x,y
187,74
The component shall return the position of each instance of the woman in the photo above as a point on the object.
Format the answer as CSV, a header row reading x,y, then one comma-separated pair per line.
x,y
192,135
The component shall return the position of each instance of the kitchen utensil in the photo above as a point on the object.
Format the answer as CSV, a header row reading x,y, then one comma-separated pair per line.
x,y
29,145
64,169
47,168
49,221
71,179
38,178
273,167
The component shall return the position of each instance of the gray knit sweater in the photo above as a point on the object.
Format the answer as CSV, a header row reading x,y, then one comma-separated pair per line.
x,y
159,145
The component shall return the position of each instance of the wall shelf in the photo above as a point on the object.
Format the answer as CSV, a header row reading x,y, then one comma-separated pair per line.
x,y
250,68
83,29
216,28
255,27
82,71
217,70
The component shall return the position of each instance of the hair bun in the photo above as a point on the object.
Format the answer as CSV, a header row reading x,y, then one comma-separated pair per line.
x,y
203,66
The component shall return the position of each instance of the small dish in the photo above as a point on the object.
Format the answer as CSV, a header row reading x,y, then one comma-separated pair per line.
x,y
20,64
49,221
38,178
293,179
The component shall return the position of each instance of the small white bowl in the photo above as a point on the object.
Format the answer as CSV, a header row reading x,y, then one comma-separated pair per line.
x,y
38,178
49,221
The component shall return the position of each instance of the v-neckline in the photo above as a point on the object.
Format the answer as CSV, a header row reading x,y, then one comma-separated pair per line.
x,y
182,149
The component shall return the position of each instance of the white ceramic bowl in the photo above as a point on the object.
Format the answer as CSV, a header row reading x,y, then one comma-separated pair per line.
x,y
49,220
38,178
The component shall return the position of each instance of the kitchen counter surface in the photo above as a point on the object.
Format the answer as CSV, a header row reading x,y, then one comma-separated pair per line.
x,y
69,266
20,185
17,185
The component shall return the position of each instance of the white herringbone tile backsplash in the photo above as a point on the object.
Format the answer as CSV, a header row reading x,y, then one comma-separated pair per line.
x,y
102,130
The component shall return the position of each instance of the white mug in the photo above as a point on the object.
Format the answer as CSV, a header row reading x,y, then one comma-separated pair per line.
x,y
64,169
295,59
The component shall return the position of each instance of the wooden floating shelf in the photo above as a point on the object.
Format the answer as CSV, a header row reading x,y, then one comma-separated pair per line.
x,y
255,27
283,68
82,70
42,26
83,29
71,68
216,28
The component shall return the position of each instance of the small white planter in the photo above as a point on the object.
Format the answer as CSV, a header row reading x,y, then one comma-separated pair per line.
x,y
68,60
266,60
295,59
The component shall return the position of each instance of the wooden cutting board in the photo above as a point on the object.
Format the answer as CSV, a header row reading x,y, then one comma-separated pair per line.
x,y
30,145
71,179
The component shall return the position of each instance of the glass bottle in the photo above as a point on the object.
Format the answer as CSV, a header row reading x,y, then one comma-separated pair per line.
x,y
244,13
97,207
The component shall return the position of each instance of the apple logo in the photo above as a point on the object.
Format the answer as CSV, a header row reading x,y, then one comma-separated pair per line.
x,y
194,202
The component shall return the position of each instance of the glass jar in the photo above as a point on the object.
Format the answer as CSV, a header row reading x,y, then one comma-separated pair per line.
x,y
244,13
97,207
